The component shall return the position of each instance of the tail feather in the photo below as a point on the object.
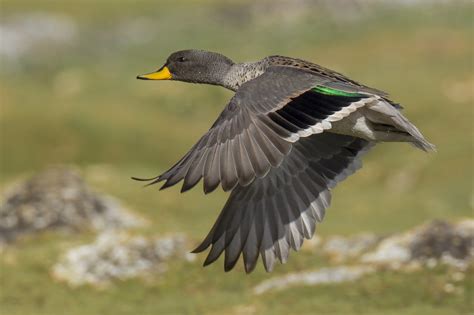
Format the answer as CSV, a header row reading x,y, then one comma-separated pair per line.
x,y
418,140
382,112
424,145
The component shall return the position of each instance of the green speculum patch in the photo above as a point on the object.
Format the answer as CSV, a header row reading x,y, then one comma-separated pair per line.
x,y
329,91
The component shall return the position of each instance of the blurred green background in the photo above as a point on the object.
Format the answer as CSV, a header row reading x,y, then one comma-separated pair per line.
x,y
69,96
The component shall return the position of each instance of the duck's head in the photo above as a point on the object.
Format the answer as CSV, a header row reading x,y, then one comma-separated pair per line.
x,y
196,66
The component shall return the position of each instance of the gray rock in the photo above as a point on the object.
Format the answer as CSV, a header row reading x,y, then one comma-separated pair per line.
x,y
117,256
58,198
432,243
393,250
442,238
340,248
323,276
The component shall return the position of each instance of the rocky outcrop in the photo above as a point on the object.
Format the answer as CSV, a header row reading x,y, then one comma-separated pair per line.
x,y
435,242
426,246
117,256
58,198
322,276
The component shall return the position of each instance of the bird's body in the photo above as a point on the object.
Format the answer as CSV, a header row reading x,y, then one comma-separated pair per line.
x,y
292,131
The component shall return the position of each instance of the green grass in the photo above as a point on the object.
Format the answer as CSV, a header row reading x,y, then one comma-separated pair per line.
x,y
81,105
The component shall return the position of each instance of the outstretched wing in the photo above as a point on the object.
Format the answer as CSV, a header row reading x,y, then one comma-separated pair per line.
x,y
275,213
259,126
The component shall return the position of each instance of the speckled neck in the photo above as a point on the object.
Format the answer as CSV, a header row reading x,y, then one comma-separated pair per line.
x,y
240,73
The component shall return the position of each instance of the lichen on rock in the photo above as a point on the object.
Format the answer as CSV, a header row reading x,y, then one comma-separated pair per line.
x,y
58,198
117,256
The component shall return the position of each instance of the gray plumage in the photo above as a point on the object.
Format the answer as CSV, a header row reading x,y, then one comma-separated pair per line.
x,y
292,131
284,206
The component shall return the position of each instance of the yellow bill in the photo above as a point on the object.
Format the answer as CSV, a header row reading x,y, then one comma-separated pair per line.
x,y
162,74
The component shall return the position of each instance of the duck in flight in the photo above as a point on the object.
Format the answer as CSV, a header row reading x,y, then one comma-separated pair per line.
x,y
291,132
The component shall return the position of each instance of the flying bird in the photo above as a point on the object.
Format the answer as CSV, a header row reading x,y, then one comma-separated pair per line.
x,y
290,133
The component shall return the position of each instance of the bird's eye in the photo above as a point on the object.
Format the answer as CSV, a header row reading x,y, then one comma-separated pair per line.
x,y
181,59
